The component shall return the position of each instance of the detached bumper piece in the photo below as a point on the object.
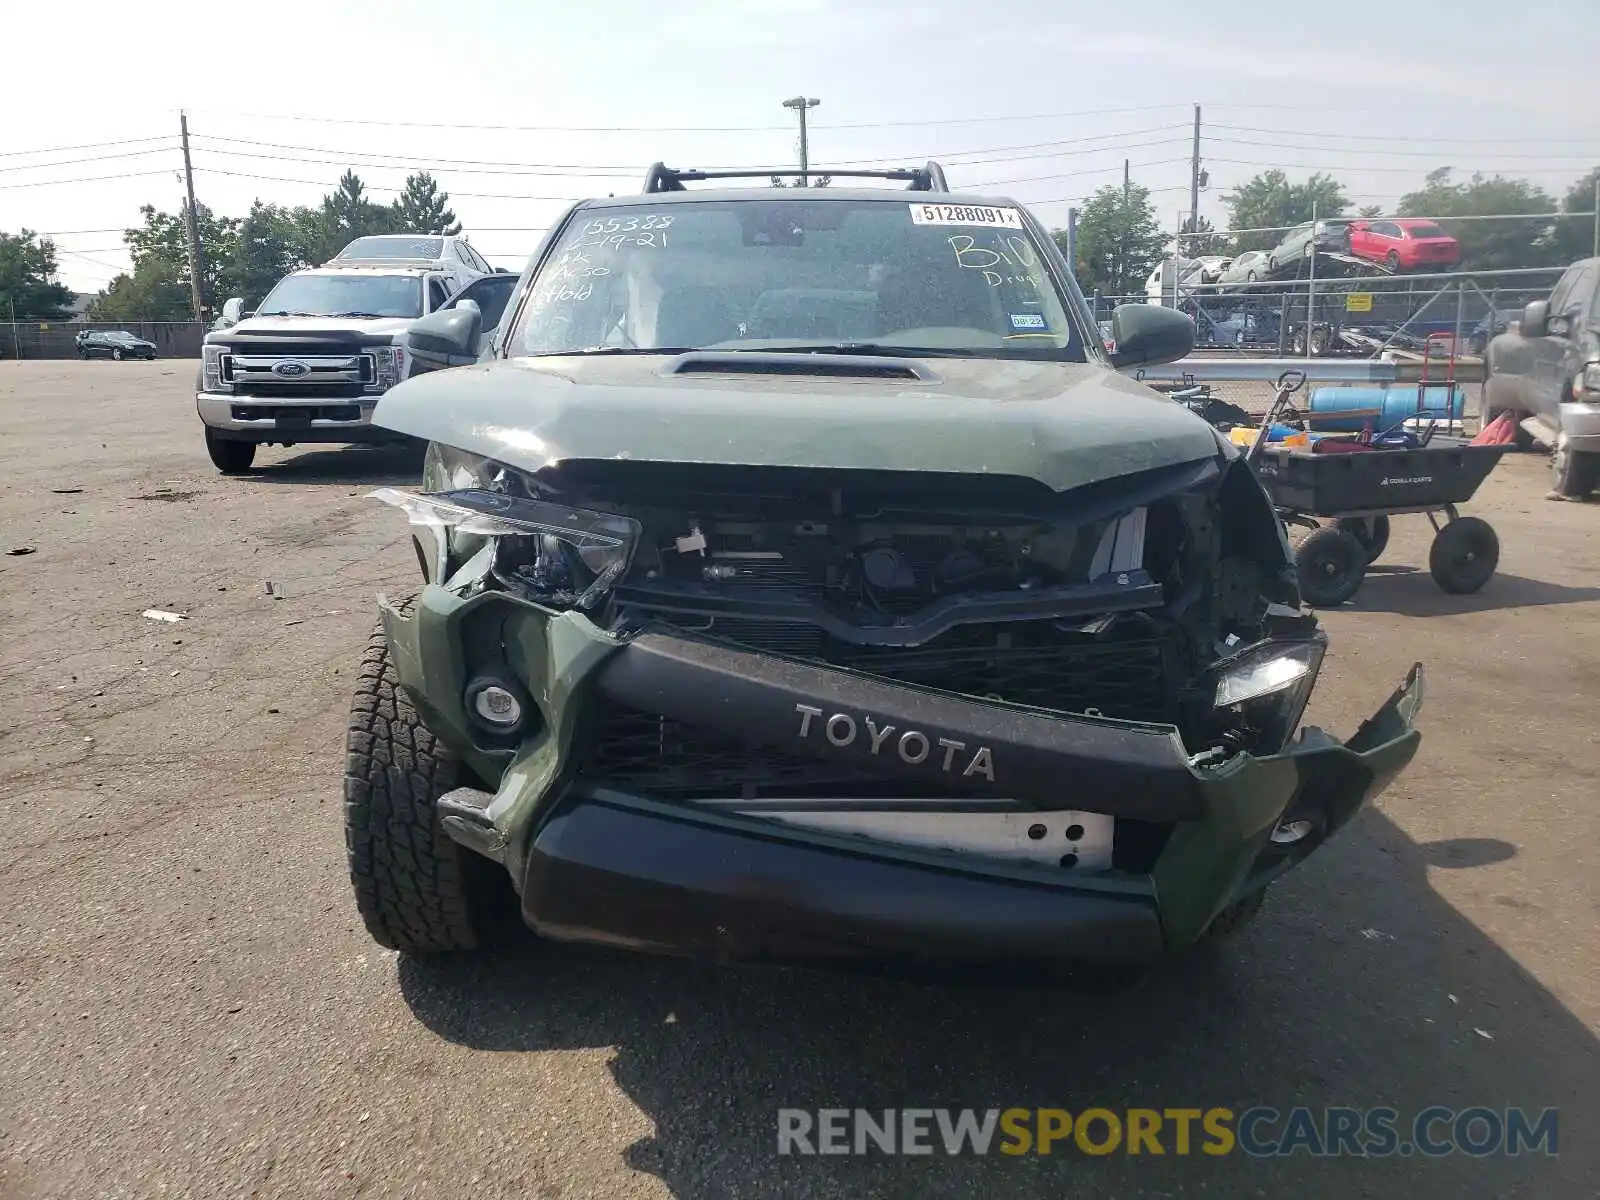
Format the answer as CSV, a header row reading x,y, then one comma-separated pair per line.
x,y
630,873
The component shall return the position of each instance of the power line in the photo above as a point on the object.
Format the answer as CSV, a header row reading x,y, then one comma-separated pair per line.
x,y
72,162
620,172
1394,137
374,188
87,179
1433,154
83,146
1250,162
95,261
1095,112
1160,162
73,232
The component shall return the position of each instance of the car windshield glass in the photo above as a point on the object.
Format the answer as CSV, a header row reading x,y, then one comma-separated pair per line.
x,y
792,274
331,295
1426,229
430,248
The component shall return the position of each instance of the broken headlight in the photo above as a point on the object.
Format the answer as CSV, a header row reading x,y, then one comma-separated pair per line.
x,y
555,554
1267,686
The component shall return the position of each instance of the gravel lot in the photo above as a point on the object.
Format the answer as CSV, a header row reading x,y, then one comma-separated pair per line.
x,y
188,1005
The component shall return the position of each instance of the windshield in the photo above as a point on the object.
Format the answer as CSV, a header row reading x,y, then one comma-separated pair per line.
x,y
791,274
430,248
344,295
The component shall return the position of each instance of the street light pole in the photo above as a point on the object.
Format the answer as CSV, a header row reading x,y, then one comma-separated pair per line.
x,y
800,104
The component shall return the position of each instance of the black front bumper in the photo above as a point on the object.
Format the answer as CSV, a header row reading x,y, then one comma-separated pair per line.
x,y
595,863
628,872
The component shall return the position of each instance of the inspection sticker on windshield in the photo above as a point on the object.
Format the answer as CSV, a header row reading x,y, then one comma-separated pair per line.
x,y
1027,321
965,214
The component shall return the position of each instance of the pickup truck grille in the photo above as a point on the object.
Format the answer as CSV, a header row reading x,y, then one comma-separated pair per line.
x,y
261,374
1126,678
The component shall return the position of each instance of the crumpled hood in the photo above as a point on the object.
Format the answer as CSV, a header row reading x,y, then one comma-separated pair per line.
x,y
289,326
1063,424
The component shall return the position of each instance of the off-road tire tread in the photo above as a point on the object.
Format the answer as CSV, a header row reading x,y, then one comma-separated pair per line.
x,y
417,891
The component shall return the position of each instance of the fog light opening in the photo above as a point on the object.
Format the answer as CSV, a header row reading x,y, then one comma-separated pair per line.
x,y
1292,833
495,704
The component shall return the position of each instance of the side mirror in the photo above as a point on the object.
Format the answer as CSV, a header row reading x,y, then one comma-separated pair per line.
x,y
1536,319
232,313
447,338
1146,334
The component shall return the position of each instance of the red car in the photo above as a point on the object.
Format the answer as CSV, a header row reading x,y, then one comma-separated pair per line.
x,y
1404,243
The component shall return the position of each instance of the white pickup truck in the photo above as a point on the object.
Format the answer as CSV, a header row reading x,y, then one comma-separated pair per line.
x,y
309,364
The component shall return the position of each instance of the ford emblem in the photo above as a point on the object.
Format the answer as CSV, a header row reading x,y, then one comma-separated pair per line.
x,y
290,369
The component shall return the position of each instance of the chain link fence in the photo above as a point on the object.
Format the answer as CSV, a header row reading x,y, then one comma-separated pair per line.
x,y
55,339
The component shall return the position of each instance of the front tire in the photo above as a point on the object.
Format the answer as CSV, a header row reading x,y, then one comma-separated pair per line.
x,y
1574,474
1393,259
117,354
229,456
417,891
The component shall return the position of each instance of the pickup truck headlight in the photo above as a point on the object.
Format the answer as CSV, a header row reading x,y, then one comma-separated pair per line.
x,y
391,366
554,554
211,365
1269,685
1591,378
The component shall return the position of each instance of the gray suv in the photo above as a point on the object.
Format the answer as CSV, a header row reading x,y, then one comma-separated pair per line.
x,y
1548,371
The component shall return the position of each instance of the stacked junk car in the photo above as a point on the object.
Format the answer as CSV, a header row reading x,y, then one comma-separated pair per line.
x,y
802,579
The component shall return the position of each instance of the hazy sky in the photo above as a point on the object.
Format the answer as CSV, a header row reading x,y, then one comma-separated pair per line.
x,y
1041,101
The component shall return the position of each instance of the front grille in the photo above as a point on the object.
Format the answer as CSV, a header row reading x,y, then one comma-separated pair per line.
x,y
289,391
1028,663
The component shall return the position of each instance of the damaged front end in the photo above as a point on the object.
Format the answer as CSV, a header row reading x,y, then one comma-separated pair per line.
x,y
794,712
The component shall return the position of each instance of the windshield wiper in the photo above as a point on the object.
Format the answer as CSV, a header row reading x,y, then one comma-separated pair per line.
x,y
376,316
284,312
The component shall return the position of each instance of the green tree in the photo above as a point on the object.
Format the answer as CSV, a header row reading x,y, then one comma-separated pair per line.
x,y
268,246
28,279
347,214
1271,201
423,208
160,252
1119,241
154,291
1489,245
1576,235
1207,240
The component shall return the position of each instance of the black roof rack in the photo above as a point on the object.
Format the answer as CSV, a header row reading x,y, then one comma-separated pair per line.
x,y
928,178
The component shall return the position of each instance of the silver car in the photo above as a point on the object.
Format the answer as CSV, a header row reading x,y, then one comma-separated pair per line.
x,y
1330,237
1249,267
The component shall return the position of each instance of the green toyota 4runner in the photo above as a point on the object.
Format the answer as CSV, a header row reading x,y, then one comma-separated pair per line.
x,y
801,580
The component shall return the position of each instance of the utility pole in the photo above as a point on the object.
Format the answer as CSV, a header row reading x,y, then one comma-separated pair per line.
x,y
194,221
1596,207
800,104
1072,241
1194,180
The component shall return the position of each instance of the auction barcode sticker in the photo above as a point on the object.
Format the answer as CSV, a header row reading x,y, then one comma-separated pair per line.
x,y
965,214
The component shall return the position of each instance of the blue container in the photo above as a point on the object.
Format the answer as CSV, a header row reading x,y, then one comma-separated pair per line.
x,y
1397,402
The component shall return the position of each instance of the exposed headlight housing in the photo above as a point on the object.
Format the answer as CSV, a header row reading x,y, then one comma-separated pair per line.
x,y
390,363
1269,685
555,554
1591,378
